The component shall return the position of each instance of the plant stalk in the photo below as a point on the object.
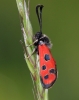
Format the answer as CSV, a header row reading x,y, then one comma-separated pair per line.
x,y
33,61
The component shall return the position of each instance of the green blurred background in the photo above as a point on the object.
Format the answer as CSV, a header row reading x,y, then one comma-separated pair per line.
x,y
61,24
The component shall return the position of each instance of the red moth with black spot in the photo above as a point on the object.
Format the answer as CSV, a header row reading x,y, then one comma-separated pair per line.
x,y
48,70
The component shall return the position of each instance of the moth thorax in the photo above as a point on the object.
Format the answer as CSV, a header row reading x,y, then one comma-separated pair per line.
x,y
38,35
41,43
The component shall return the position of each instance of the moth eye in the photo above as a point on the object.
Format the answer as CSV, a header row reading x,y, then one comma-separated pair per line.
x,y
46,77
53,71
43,67
46,57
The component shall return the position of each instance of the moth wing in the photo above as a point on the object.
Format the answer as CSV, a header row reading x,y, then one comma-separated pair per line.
x,y
48,71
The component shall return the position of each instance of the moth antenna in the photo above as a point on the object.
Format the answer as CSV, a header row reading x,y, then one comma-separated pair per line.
x,y
39,15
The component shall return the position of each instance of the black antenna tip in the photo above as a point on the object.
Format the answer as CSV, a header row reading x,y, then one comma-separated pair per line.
x,y
39,15
39,5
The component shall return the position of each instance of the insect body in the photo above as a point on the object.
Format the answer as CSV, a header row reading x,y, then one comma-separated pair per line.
x,y
48,70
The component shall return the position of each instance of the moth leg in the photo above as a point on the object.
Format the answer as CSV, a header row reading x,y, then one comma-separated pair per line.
x,y
25,50
32,43
34,50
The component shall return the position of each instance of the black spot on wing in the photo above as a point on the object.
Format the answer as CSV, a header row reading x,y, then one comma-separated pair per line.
x,y
46,57
43,67
53,71
46,77
46,86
